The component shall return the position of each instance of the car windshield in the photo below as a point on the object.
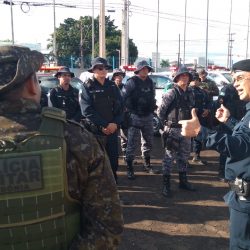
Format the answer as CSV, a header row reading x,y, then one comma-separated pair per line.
x,y
228,77
161,82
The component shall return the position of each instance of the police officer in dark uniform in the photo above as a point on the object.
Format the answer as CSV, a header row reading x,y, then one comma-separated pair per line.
x,y
237,148
176,104
229,97
139,98
117,78
203,108
64,96
102,106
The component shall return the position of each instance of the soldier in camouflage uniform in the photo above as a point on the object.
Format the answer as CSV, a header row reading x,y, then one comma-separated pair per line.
x,y
176,104
89,176
208,85
139,98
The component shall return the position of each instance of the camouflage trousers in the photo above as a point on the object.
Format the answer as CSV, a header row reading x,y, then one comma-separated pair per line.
x,y
141,129
180,156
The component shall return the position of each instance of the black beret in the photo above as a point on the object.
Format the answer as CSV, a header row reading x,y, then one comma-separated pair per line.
x,y
243,65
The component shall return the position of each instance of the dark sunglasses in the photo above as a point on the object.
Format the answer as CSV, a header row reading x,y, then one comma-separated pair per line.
x,y
101,68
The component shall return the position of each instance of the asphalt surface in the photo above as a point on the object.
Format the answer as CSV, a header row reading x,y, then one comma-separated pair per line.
x,y
188,220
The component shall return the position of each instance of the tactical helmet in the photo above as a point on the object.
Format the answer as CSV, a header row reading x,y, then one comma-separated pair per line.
x,y
16,64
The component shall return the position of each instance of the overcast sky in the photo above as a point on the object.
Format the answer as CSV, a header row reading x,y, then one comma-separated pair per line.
x,y
37,24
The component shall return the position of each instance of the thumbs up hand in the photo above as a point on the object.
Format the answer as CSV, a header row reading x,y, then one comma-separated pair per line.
x,y
190,128
222,113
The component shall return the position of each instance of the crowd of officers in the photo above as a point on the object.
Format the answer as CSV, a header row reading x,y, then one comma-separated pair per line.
x,y
111,109
54,167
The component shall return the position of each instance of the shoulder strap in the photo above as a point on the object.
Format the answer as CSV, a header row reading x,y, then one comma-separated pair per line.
x,y
53,120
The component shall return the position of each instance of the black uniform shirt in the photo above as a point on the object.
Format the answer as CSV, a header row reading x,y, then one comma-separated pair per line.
x,y
66,100
237,148
101,104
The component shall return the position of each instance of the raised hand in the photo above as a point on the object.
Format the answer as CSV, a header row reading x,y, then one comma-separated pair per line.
x,y
190,128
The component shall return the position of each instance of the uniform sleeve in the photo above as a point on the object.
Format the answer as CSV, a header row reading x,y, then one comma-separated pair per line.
x,y
127,94
88,110
91,182
53,98
236,146
167,100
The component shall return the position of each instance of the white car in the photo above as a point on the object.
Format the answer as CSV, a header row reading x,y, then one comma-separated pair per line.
x,y
221,78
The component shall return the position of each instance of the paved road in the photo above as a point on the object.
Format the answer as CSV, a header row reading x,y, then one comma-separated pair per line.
x,y
189,220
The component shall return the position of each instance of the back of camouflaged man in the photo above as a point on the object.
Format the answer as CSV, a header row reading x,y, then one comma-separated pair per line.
x,y
57,190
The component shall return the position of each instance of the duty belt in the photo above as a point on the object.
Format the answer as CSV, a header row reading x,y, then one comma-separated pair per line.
x,y
241,188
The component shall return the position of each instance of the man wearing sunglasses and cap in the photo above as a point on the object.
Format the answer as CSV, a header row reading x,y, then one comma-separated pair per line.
x,y
102,106
64,96
237,148
55,181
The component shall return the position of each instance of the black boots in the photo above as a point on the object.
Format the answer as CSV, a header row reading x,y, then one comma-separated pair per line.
x,y
184,184
221,173
130,170
148,168
166,191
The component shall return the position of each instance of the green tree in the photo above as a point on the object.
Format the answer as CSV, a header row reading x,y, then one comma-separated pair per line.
x,y
165,63
68,39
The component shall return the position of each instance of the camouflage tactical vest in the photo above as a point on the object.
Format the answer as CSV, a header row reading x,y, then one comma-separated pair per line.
x,y
36,211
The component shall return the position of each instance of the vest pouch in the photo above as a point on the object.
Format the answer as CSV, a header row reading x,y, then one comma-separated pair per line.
x,y
35,212
184,114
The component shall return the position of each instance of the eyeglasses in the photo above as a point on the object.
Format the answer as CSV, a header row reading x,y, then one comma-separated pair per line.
x,y
240,78
101,68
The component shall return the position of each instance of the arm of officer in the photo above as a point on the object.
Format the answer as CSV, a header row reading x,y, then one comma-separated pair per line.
x,y
127,94
119,107
167,99
91,181
88,110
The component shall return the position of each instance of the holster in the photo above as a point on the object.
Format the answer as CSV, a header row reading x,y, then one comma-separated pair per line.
x,y
168,140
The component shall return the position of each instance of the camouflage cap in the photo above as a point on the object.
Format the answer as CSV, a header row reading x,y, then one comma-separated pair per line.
x,y
16,64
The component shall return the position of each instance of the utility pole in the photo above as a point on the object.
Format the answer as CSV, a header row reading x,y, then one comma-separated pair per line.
x,y
179,48
102,45
81,44
230,48
12,23
229,38
206,63
157,38
248,30
124,39
54,35
93,31
185,22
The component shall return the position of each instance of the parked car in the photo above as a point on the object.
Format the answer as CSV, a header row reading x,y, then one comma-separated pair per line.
x,y
221,78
